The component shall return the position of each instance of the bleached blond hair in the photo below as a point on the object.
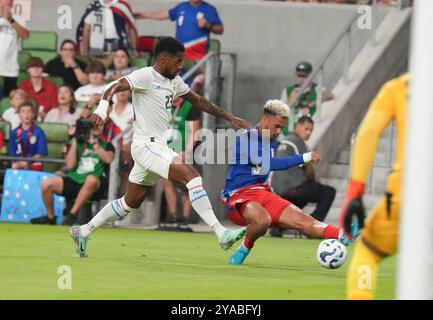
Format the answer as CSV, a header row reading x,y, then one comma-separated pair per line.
x,y
277,107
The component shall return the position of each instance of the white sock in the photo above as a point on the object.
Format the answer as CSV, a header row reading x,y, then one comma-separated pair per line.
x,y
113,210
200,202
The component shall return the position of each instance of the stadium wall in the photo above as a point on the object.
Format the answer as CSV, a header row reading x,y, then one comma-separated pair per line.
x,y
266,36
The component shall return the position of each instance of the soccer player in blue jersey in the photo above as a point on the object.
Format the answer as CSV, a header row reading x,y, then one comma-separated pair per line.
x,y
249,199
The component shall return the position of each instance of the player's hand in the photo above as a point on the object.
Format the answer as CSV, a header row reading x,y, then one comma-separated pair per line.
x,y
203,23
97,121
239,123
353,208
315,158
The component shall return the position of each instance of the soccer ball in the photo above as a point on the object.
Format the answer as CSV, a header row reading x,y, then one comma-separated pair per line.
x,y
331,253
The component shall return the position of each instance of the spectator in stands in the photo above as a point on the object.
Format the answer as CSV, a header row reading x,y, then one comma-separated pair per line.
x,y
66,111
17,97
87,158
306,105
12,30
106,26
185,123
28,140
298,184
121,65
67,66
91,93
195,20
44,92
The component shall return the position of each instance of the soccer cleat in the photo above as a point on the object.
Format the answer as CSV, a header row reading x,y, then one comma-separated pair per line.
x,y
238,257
79,240
231,236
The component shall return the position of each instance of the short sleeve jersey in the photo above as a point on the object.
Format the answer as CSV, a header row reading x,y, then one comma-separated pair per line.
x,y
152,101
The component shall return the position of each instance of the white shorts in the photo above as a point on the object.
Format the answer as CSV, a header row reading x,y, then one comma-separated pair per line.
x,y
152,159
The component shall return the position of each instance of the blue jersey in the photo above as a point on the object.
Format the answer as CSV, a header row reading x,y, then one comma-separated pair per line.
x,y
253,160
27,143
194,38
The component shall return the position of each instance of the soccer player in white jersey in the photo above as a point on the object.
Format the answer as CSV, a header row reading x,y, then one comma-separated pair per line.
x,y
153,91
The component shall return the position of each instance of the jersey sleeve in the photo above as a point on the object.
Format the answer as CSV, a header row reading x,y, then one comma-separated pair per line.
x,y
173,13
212,16
181,87
379,115
140,79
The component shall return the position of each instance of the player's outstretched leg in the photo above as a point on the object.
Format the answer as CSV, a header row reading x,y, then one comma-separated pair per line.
x,y
293,217
112,211
187,175
258,221
201,204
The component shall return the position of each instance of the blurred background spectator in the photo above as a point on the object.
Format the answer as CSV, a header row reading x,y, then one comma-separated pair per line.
x,y
66,111
87,159
67,66
106,26
44,92
17,97
12,30
28,140
91,93
121,65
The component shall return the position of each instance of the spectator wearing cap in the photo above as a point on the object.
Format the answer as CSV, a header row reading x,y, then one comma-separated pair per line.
x,y
28,140
306,105
67,66
44,92
91,93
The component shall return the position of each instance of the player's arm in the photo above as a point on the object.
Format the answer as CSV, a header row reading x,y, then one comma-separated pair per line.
x,y
100,114
202,104
284,163
378,117
155,15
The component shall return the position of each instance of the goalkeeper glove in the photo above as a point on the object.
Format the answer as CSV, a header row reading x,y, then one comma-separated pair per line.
x,y
352,206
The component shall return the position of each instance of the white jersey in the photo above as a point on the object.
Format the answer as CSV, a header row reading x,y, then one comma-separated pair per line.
x,y
152,100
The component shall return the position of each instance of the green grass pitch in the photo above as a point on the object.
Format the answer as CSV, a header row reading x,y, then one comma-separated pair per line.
x,y
138,264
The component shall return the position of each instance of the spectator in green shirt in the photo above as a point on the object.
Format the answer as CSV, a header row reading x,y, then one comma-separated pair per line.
x,y
88,158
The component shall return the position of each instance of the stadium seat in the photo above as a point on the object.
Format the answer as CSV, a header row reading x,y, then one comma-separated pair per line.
x,y
215,46
188,64
5,127
23,56
85,59
57,135
40,40
4,104
139,62
23,75
45,55
57,80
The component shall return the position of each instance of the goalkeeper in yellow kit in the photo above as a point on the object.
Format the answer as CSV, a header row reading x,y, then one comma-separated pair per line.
x,y
378,238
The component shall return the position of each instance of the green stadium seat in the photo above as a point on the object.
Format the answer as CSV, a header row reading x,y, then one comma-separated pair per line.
x,y
5,126
40,40
57,135
23,75
188,64
215,46
85,59
45,55
139,62
23,56
57,80
5,103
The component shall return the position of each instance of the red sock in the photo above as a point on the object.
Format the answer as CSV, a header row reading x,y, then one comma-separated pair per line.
x,y
331,232
247,243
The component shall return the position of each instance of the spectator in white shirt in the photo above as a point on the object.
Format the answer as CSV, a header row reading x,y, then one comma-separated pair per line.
x,y
66,112
91,93
12,30
16,97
